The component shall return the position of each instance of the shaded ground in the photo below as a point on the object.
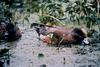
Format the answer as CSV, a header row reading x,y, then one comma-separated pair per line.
x,y
30,52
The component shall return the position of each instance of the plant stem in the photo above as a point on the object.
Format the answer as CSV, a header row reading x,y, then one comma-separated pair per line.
x,y
55,19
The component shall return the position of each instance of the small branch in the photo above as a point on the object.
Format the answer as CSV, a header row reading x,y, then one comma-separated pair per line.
x,y
55,19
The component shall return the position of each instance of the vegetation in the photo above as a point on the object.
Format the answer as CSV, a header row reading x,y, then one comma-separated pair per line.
x,y
58,12
54,12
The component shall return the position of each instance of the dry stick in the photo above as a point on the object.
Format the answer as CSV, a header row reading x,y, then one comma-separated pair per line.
x,y
54,18
61,41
